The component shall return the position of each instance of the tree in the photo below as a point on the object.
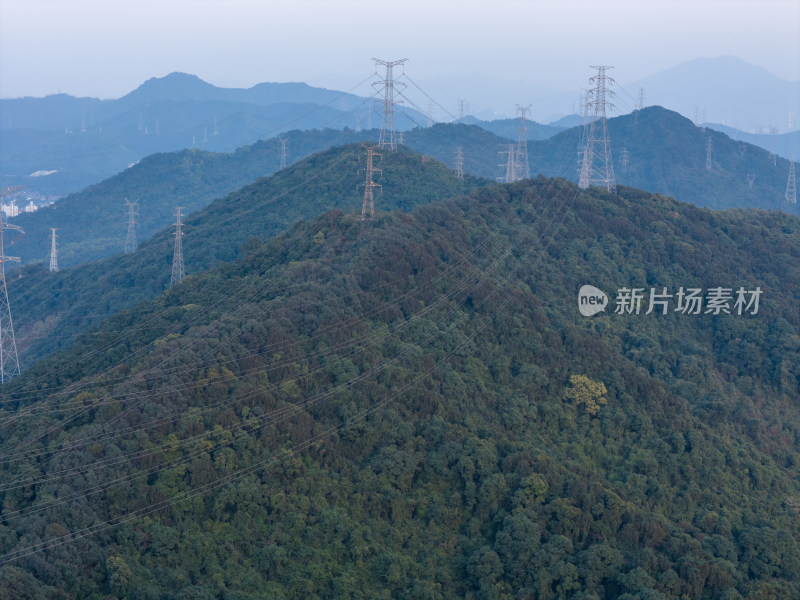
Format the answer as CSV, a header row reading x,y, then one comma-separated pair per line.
x,y
586,392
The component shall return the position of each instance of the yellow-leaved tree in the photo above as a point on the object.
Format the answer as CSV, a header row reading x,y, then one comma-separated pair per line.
x,y
586,392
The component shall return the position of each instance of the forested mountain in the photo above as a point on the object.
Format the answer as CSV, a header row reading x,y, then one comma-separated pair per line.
x,y
413,407
51,308
666,153
92,224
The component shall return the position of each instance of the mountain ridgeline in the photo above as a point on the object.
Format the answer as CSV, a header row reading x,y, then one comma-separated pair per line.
x,y
413,407
51,308
86,140
666,153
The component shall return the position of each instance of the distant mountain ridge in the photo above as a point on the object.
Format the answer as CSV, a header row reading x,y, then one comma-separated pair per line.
x,y
86,140
728,89
666,153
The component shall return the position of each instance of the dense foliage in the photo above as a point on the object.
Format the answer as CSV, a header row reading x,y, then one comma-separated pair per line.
x,y
413,407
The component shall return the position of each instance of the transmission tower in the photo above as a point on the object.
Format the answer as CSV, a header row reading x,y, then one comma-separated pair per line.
x,y
430,114
639,106
53,252
130,239
178,272
751,177
368,207
459,164
791,186
283,153
598,168
625,160
510,165
522,168
772,153
584,101
9,361
463,109
388,136
708,155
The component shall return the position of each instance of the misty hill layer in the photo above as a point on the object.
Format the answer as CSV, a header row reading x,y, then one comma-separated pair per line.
x,y
86,140
414,408
666,153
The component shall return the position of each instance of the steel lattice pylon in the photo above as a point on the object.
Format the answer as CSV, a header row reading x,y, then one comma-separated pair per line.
x,y
130,239
523,170
597,167
459,164
791,184
368,206
9,360
178,272
388,136
53,252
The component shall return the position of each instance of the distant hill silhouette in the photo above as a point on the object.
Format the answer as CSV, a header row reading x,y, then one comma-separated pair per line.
x,y
86,140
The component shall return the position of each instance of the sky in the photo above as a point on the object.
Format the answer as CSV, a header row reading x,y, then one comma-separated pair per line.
x,y
457,48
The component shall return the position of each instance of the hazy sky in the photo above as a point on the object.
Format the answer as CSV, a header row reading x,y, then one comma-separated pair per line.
x,y
106,48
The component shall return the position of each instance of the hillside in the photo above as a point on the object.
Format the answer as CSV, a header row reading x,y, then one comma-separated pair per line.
x,y
92,225
50,309
414,408
667,154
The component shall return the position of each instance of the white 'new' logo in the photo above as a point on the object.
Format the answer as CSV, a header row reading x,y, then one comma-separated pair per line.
x,y
591,300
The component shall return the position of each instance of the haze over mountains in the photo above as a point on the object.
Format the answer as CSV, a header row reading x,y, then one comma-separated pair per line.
x,y
657,150
85,140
